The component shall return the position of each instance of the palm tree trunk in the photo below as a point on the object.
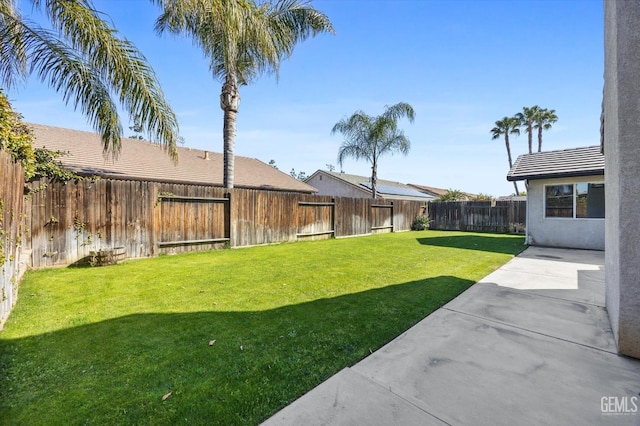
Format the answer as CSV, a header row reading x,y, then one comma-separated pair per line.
x,y
374,180
229,136
530,137
506,142
540,138
229,102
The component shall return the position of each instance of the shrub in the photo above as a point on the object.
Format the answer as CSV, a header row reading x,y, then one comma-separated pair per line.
x,y
420,223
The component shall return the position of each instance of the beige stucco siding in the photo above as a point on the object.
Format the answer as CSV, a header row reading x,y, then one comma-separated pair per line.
x,y
328,185
561,232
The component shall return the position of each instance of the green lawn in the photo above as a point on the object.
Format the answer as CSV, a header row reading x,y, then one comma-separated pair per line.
x,y
105,345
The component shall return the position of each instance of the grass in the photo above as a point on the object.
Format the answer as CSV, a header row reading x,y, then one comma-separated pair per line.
x,y
105,345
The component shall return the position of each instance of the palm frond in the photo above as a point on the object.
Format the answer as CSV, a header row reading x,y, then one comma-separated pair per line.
x,y
369,137
59,66
13,66
120,65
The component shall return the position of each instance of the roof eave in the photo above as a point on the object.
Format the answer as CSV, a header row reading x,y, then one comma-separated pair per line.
x,y
596,172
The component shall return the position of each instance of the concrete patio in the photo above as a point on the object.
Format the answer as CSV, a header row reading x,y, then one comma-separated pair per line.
x,y
530,344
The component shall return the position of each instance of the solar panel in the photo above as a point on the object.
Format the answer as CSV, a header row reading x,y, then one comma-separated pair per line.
x,y
396,190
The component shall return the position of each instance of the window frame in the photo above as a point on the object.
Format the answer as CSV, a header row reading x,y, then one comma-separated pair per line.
x,y
575,198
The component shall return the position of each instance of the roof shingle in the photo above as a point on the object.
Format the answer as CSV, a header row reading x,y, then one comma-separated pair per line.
x,y
583,161
142,160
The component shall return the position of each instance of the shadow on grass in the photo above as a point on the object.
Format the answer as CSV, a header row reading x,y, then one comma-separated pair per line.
x,y
495,244
117,371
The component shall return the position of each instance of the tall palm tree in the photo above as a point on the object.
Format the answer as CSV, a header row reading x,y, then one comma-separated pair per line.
x,y
507,126
241,39
543,121
82,57
369,137
527,118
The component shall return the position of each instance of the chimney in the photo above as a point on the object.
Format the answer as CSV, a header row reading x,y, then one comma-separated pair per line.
x,y
206,155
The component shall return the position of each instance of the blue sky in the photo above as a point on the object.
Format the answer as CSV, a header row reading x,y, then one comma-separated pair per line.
x,y
461,64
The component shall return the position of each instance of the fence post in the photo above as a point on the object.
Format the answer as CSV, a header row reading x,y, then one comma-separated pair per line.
x,y
227,219
333,216
393,213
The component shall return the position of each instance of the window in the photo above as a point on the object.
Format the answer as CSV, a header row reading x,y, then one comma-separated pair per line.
x,y
580,200
590,200
559,201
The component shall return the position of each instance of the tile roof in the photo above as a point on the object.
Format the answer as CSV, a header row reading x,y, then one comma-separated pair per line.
x,y
429,189
142,160
562,163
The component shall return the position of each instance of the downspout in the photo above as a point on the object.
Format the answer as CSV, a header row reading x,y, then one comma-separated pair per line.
x,y
526,225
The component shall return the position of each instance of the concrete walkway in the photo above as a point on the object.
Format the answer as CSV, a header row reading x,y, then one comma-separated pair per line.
x,y
530,344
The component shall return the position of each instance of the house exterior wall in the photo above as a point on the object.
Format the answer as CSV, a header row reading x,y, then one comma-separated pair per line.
x,y
622,156
557,231
328,185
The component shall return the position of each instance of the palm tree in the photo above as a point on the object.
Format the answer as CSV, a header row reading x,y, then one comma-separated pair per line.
x,y
527,118
83,58
507,126
369,137
242,40
543,121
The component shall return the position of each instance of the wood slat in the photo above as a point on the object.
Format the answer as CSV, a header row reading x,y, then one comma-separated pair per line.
x,y
149,218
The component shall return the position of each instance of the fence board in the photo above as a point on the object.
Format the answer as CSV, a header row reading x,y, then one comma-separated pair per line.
x,y
149,218
11,211
484,216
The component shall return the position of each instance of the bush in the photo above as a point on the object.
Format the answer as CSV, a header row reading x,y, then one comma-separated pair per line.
x,y
17,138
420,223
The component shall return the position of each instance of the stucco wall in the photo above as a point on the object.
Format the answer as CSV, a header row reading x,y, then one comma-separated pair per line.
x,y
622,157
557,231
328,185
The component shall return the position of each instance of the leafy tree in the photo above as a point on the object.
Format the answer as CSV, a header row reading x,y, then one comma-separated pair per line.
x,y
16,138
527,118
368,137
507,126
544,119
453,195
242,40
330,167
301,176
272,163
137,130
483,197
82,57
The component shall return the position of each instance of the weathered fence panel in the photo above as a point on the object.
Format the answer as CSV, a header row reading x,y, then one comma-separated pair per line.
x,y
11,212
404,213
316,219
353,216
381,217
70,221
485,216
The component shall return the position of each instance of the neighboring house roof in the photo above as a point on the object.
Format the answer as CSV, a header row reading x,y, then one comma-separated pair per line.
x,y
430,190
385,188
437,192
142,160
562,163
512,198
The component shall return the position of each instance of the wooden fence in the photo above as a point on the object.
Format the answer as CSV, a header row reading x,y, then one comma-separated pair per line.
x,y
69,221
486,216
11,209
